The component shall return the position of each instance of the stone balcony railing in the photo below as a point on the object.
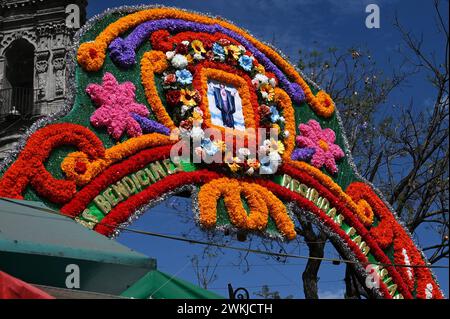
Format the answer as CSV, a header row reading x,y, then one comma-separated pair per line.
x,y
18,101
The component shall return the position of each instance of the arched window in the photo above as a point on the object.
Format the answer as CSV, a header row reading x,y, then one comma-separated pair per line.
x,y
19,76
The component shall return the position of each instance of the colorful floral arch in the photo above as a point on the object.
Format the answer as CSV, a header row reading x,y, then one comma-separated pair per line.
x,y
143,80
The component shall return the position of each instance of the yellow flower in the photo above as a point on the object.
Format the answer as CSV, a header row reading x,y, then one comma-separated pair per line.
x,y
197,116
189,58
260,69
234,51
276,127
234,167
277,146
197,46
253,162
220,145
267,92
280,148
187,97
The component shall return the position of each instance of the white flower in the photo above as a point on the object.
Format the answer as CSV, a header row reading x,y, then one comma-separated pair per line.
x,y
264,95
179,61
286,133
267,143
184,109
197,133
242,48
274,157
272,82
170,55
270,163
250,171
185,42
282,119
243,151
260,79
198,56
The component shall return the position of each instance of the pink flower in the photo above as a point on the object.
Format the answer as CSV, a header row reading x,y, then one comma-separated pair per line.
x,y
116,103
322,141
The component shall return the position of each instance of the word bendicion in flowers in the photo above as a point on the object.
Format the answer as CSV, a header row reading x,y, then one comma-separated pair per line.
x,y
168,101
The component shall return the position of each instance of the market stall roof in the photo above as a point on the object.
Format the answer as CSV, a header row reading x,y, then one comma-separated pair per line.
x,y
159,285
37,246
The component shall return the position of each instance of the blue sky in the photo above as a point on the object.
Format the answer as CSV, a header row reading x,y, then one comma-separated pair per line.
x,y
291,25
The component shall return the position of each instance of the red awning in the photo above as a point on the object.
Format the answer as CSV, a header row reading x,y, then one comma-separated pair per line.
x,y
13,288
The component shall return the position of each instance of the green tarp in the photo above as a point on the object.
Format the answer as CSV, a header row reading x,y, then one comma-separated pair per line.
x,y
158,285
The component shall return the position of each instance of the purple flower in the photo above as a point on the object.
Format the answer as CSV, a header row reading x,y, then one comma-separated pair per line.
x,y
303,154
141,33
149,126
119,50
296,93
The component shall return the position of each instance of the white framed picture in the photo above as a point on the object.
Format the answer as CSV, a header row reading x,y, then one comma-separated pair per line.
x,y
225,106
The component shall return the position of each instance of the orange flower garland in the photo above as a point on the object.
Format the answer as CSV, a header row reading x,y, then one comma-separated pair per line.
x,y
92,55
283,100
155,62
277,211
260,200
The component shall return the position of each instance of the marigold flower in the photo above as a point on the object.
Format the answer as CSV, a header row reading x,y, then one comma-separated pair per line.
x,y
197,46
187,97
267,92
233,50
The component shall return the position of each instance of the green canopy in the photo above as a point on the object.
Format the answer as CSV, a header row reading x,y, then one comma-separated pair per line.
x,y
158,285
36,246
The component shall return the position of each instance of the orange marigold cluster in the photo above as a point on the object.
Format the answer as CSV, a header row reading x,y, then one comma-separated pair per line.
x,y
260,200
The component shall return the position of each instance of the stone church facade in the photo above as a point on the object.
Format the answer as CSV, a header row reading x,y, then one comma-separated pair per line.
x,y
34,39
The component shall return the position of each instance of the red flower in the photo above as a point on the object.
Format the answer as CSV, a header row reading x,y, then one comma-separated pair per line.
x,y
264,110
182,48
223,41
170,78
160,40
231,61
80,167
173,97
207,43
186,124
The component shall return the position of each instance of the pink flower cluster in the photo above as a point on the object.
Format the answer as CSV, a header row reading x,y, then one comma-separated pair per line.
x,y
116,105
322,141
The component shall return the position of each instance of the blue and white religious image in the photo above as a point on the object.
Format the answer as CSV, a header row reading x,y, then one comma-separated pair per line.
x,y
225,106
